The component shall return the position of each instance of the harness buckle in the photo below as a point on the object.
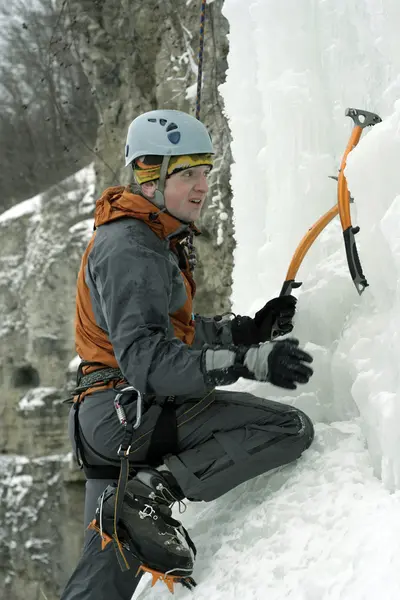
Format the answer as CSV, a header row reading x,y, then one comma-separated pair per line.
x,y
124,452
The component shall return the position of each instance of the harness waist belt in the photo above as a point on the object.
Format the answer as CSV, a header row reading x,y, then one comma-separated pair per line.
x,y
100,375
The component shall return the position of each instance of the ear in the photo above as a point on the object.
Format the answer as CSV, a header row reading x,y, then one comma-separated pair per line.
x,y
149,189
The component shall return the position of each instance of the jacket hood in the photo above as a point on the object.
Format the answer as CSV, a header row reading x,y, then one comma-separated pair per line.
x,y
118,202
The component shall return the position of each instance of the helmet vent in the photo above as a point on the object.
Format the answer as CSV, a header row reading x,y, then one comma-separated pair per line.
x,y
174,137
152,120
163,122
172,126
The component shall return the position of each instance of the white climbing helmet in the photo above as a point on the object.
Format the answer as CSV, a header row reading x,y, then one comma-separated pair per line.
x,y
166,133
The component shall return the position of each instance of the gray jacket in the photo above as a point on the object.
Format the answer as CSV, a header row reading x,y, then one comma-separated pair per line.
x,y
135,284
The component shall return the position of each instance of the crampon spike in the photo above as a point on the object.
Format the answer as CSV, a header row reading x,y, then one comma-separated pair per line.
x,y
169,580
105,539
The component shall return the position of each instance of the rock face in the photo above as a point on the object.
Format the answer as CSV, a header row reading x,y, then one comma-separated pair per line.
x,y
41,491
138,56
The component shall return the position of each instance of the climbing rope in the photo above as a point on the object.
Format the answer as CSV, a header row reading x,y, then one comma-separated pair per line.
x,y
200,58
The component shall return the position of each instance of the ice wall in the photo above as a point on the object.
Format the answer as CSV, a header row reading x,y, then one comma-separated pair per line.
x,y
294,67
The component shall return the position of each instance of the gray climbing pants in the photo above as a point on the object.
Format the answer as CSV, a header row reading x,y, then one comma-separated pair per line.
x,y
224,439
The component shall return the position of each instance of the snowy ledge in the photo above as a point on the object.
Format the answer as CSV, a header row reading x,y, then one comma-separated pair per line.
x,y
39,397
83,183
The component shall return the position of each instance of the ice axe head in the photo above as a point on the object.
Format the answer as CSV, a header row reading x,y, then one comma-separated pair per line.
x,y
362,118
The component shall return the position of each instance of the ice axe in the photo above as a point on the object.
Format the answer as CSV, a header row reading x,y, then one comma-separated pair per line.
x,y
361,120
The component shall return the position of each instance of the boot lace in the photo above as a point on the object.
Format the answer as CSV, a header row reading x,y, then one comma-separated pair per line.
x,y
166,496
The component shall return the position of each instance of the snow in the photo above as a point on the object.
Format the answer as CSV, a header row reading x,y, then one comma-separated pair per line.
x,y
84,229
327,527
35,398
83,179
74,364
36,543
322,528
27,207
191,92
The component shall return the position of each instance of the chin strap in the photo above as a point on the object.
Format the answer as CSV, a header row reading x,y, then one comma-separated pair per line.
x,y
158,199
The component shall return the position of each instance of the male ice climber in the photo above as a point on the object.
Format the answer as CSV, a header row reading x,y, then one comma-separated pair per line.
x,y
146,394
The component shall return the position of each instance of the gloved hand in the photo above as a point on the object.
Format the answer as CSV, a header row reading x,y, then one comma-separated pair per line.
x,y
247,331
280,363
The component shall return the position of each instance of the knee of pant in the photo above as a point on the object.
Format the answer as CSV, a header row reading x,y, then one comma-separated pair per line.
x,y
307,428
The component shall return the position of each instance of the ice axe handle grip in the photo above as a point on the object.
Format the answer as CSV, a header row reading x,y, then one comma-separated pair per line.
x,y
286,290
353,259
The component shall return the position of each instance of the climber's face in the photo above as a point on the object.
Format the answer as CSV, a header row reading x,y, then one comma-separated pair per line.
x,y
184,193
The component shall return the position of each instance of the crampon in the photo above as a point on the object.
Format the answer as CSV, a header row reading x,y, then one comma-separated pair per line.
x,y
140,525
168,578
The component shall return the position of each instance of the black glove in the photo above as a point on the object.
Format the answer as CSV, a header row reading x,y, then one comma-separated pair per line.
x,y
247,331
280,363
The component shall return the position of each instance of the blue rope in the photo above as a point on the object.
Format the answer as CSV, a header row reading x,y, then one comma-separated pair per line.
x,y
200,58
